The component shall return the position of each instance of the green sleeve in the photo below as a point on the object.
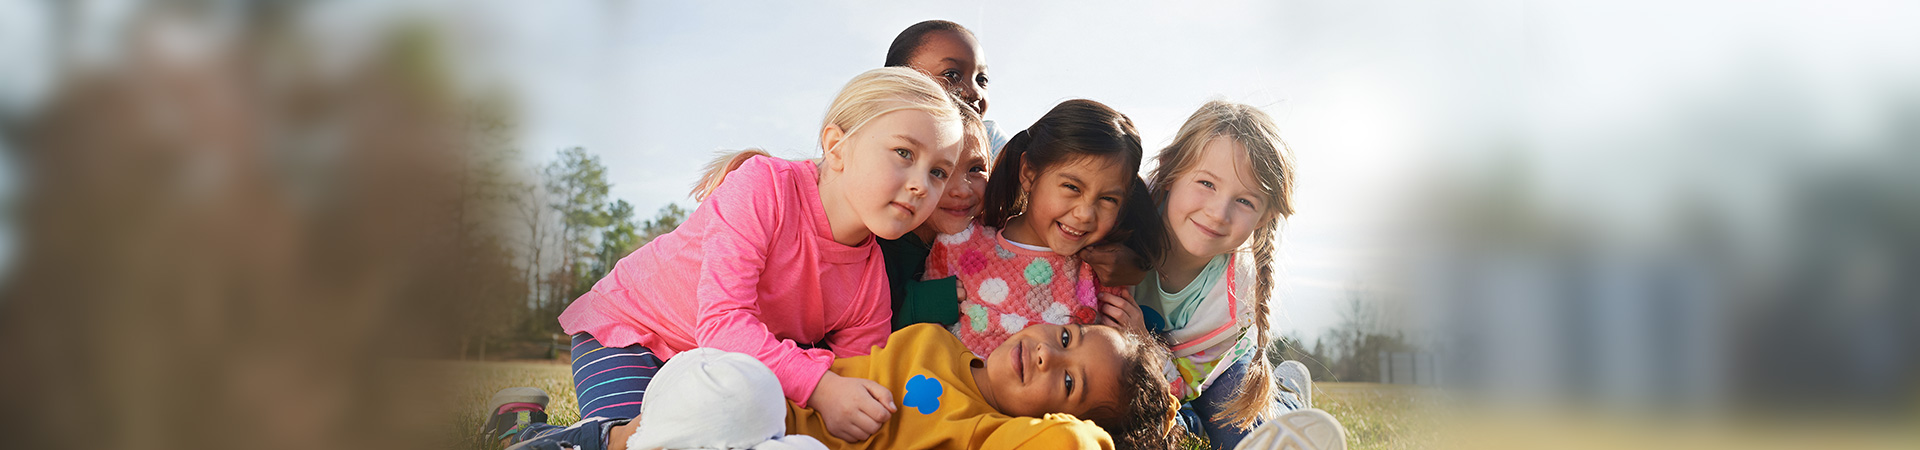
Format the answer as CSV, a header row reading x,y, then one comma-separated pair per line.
x,y
930,301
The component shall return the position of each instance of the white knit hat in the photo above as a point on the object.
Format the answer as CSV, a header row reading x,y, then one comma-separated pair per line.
x,y
711,399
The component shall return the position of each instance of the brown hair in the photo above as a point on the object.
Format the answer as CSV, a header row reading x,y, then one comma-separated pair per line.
x,y
1144,419
1074,129
1272,171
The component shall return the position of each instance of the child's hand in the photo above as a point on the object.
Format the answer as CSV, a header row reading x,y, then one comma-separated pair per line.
x,y
1114,264
1119,311
853,408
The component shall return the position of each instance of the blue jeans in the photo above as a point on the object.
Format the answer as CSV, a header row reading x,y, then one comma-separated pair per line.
x,y
1201,413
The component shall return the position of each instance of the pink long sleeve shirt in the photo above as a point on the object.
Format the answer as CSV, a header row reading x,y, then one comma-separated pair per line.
x,y
754,270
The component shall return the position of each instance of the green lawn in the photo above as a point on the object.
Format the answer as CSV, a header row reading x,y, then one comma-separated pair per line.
x,y
478,382
1376,416
1380,416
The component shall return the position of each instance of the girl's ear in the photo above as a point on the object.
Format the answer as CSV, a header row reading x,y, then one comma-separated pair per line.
x,y
830,139
1027,175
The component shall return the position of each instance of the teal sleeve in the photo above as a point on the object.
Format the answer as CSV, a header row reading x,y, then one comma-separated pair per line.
x,y
930,301
1156,323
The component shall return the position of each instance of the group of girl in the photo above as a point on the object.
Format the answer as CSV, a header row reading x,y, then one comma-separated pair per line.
x,y
905,293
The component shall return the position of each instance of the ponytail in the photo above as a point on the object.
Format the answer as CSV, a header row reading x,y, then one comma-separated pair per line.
x,y
717,170
1005,196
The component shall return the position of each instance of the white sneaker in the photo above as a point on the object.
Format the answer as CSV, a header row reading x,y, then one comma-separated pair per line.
x,y
1305,429
1294,378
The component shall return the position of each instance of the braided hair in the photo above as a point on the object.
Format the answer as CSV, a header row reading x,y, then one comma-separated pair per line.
x,y
1272,168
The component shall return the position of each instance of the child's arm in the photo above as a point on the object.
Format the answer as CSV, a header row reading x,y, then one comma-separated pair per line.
x,y
916,300
727,286
1120,311
1114,264
869,331
852,408
936,297
934,301
730,308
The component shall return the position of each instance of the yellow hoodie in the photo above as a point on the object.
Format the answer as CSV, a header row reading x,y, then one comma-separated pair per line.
x,y
939,406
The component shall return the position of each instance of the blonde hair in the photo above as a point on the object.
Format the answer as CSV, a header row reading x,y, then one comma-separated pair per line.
x,y
1272,171
869,95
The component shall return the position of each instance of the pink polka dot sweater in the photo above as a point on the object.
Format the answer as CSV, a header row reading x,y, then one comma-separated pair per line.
x,y
1009,287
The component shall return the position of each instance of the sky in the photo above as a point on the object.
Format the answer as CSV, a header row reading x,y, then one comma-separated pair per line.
x,y
655,89
1375,98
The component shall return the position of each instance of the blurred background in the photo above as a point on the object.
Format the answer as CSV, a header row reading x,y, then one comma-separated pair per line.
x,y
1607,224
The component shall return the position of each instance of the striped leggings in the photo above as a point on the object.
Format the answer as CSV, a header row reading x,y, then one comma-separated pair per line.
x,y
608,381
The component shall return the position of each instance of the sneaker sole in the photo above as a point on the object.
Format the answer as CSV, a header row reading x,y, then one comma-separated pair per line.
x,y
517,395
1306,429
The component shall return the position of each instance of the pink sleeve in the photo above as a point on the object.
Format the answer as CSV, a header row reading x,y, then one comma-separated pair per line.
x,y
939,260
745,210
870,332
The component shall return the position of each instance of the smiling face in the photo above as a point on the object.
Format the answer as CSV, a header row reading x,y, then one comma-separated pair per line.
x,y
966,188
893,170
1046,368
1070,205
956,61
1212,208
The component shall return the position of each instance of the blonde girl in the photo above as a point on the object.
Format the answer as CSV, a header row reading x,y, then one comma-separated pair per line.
x,y
1222,187
780,252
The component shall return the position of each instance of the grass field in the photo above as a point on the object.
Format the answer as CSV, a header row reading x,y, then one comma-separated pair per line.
x,y
1376,416
1380,416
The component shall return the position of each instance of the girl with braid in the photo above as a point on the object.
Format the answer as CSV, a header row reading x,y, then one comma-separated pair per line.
x,y
1223,186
